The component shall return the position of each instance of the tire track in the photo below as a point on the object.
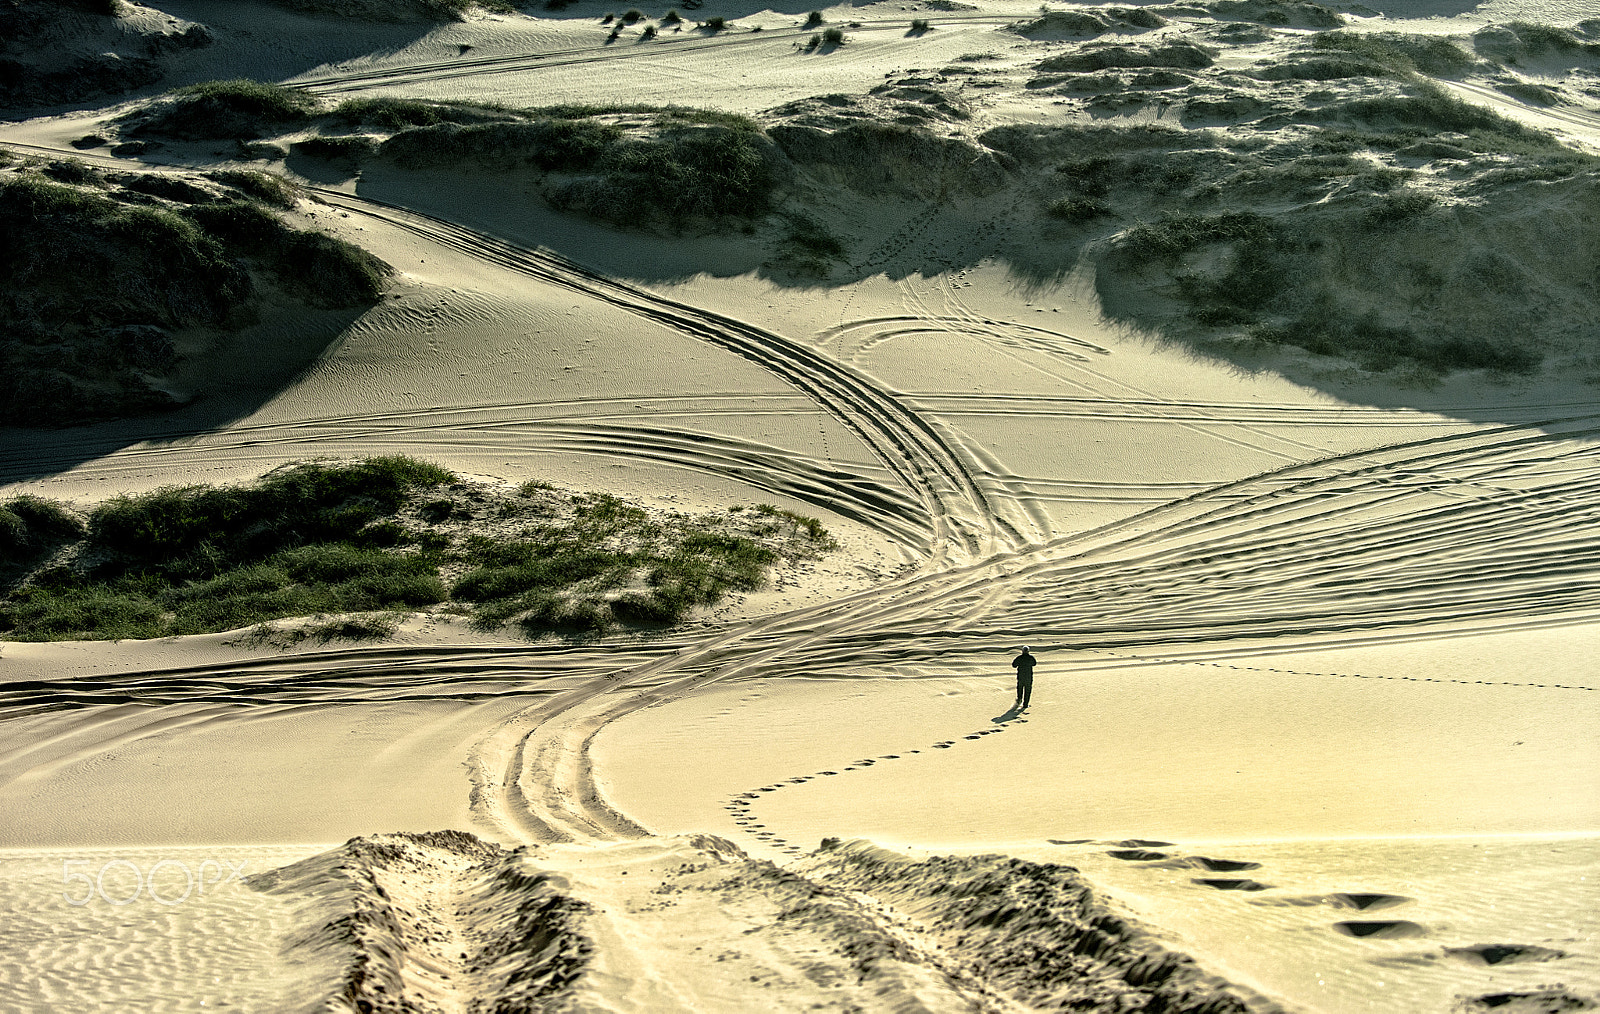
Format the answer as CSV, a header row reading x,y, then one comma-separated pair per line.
x,y
966,522
1488,529
445,70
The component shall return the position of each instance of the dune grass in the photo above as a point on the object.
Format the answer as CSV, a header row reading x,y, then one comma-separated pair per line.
x,y
215,110
265,187
688,164
1398,52
362,538
85,261
1268,291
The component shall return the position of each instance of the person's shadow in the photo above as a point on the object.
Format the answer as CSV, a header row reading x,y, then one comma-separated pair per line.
x,y
1010,716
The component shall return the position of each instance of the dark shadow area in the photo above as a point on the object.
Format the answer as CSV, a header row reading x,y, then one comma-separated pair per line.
x,y
320,170
251,370
78,60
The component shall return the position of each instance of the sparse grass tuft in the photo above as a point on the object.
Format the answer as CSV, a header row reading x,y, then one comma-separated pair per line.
x,y
833,36
806,249
354,628
1078,210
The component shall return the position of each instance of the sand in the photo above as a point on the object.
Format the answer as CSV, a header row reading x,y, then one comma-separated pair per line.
x,y
1315,725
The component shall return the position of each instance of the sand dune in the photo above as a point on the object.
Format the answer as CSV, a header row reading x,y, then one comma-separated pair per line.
x,y
1314,726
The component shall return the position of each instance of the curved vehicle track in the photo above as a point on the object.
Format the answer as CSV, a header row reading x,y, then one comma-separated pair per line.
x,y
443,70
1487,529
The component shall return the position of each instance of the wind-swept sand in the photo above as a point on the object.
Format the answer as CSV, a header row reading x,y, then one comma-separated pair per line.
x,y
1315,725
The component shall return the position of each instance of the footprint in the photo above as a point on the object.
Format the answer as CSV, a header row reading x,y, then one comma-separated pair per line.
x,y
1075,841
1504,954
1135,855
1210,865
1542,1001
1363,902
1360,902
1379,929
1142,843
1231,884
827,772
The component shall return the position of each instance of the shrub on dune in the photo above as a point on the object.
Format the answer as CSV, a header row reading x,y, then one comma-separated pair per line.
x,y
214,110
317,538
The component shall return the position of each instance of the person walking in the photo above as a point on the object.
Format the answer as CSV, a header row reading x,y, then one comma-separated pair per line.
x,y
1024,664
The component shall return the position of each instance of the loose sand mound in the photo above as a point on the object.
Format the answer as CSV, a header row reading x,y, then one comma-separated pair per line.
x,y
425,919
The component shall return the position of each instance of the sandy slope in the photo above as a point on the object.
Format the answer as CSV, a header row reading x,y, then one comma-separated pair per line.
x,y
1332,647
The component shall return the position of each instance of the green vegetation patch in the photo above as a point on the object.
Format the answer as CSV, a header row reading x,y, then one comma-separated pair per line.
x,y
1390,121
374,536
679,164
1182,55
397,114
215,110
1398,52
1298,13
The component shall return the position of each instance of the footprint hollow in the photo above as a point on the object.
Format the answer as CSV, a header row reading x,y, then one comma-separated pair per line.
x,y
1379,929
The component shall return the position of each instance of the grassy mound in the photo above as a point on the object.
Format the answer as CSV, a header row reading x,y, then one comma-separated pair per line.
x,y
1183,55
663,167
385,533
97,273
214,110
1350,205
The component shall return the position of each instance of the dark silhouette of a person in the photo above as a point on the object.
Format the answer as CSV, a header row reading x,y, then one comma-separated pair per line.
x,y
1024,664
